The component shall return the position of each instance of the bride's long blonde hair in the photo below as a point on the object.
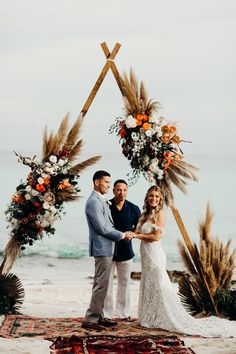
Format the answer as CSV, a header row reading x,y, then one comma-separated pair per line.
x,y
146,207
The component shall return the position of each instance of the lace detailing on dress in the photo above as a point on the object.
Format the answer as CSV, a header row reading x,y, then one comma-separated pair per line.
x,y
159,303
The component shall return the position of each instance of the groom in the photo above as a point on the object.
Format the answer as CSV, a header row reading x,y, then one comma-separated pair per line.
x,y
101,236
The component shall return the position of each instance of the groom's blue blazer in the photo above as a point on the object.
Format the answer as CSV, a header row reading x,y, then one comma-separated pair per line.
x,y
101,229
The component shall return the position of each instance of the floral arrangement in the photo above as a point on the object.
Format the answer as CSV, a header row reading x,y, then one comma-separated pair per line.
x,y
39,200
149,142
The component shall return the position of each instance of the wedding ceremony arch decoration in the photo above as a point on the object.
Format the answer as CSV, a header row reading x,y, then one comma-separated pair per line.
x,y
150,142
13,247
39,200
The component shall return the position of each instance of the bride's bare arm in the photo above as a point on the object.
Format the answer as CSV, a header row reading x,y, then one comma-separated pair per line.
x,y
157,232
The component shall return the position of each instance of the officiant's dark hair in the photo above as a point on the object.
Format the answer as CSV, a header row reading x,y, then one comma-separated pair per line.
x,y
100,174
120,181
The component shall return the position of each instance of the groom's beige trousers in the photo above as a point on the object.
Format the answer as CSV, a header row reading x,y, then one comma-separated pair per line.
x,y
123,290
100,285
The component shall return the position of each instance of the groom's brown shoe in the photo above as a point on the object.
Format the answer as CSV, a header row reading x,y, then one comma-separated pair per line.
x,y
92,325
106,322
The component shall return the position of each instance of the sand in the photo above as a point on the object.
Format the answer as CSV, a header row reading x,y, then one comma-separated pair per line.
x,y
62,288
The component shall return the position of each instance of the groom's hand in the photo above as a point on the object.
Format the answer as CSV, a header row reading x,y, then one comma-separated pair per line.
x,y
128,235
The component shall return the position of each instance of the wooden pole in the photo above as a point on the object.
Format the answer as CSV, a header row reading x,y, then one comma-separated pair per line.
x,y
113,67
100,79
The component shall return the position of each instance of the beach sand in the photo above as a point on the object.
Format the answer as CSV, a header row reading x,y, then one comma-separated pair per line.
x,y
62,288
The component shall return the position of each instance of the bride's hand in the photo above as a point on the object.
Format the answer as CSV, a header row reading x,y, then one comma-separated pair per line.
x,y
133,234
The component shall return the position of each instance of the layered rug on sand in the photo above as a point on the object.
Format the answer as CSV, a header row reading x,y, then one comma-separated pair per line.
x,y
69,337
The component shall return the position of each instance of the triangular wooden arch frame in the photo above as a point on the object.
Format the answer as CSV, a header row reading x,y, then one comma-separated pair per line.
x,y
110,64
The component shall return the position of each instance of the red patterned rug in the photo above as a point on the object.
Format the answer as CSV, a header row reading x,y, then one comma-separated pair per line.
x,y
68,336
15,326
127,345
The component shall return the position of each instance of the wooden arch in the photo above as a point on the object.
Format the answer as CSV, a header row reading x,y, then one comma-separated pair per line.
x,y
110,64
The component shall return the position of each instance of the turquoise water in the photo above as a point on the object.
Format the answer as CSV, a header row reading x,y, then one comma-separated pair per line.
x,y
216,185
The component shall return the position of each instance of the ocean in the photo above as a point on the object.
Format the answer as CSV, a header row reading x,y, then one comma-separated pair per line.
x,y
216,186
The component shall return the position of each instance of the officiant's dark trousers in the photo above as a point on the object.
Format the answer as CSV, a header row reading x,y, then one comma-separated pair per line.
x,y
100,286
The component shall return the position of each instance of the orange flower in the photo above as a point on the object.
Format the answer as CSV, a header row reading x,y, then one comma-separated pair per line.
x,y
64,184
146,126
145,118
139,116
165,139
176,158
40,187
168,129
138,122
46,180
167,155
142,117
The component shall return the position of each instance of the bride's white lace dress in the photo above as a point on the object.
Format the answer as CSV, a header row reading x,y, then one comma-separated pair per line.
x,y
159,303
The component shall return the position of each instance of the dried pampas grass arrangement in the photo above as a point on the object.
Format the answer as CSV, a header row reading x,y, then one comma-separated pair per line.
x,y
39,200
150,142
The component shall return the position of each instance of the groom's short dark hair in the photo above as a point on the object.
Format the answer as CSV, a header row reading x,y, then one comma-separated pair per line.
x,y
100,174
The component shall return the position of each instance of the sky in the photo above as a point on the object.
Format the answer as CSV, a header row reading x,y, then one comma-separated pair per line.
x,y
50,58
183,50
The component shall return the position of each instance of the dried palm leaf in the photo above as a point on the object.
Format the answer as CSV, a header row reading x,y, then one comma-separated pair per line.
x,y
214,258
190,295
11,294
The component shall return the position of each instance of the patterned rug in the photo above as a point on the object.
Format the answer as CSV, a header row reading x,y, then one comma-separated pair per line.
x,y
68,336
15,326
127,345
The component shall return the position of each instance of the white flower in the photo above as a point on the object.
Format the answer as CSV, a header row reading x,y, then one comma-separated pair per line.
x,y
45,175
61,162
40,180
154,166
52,171
52,209
145,160
34,192
44,223
28,188
46,205
160,174
130,122
48,164
27,196
135,136
53,159
149,132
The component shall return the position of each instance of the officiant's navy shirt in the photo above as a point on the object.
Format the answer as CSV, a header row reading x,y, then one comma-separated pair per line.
x,y
125,219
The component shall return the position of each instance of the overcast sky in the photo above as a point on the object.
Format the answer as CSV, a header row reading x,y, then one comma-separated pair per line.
x,y
184,51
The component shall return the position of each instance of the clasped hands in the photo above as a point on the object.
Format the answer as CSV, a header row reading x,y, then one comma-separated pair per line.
x,y
129,235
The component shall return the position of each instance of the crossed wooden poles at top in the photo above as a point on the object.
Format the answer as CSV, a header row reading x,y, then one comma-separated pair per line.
x,y
110,64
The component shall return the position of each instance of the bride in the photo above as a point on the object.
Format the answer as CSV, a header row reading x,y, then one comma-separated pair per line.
x,y
159,303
